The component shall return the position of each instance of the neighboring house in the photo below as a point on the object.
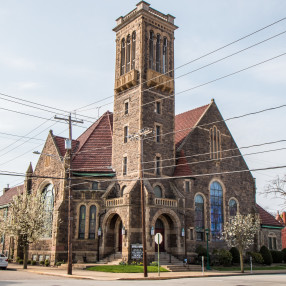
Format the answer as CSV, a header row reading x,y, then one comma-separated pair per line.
x,y
282,219
195,177
270,234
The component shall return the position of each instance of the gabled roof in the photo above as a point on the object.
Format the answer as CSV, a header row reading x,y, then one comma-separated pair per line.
x,y
94,151
60,143
266,218
182,168
184,123
7,197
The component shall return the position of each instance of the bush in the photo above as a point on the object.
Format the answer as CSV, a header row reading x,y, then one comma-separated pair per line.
x,y
21,261
256,257
235,255
224,257
201,251
154,263
59,263
122,263
33,262
277,256
29,262
47,262
133,262
42,262
18,259
284,254
267,257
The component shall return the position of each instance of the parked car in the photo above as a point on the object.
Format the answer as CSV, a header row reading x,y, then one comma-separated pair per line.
x,y
3,261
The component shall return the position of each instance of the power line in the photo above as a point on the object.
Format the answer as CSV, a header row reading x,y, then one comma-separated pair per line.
x,y
22,137
196,59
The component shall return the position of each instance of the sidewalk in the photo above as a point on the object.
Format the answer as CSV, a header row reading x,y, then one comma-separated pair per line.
x,y
94,275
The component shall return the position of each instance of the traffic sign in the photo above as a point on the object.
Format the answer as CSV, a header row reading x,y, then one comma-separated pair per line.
x,y
158,238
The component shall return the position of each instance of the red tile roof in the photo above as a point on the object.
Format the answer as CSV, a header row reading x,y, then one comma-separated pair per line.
x,y
182,168
95,147
7,197
60,142
267,218
186,121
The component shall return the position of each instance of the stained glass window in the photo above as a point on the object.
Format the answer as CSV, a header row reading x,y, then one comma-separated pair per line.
x,y
48,196
133,50
232,207
199,217
158,192
151,50
216,210
92,220
81,229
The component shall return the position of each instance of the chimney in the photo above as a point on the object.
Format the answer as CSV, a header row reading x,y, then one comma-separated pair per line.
x,y
284,217
5,189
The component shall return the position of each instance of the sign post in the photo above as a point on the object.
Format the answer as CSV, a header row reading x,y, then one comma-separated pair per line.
x,y
158,240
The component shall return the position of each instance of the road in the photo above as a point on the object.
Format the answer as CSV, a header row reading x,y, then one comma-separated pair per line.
x,y
21,278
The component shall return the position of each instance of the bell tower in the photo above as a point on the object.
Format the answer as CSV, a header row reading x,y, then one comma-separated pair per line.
x,y
144,92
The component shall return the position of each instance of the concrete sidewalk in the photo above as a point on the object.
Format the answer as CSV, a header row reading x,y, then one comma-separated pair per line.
x,y
94,275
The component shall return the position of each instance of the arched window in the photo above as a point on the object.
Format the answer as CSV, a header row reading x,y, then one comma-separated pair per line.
x,y
151,50
232,207
199,217
128,50
48,197
159,224
216,210
122,68
95,186
92,220
158,192
165,65
133,50
81,229
215,143
158,54
122,190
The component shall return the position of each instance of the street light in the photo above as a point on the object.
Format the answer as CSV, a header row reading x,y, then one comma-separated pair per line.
x,y
208,258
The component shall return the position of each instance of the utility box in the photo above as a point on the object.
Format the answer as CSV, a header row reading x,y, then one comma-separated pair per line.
x,y
68,144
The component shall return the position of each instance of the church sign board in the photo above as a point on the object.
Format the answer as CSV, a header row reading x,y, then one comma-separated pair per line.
x,y
137,251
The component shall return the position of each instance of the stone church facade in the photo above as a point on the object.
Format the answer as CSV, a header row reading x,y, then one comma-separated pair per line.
x,y
194,175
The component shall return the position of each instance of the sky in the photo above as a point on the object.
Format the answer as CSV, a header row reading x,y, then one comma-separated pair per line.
x,y
62,54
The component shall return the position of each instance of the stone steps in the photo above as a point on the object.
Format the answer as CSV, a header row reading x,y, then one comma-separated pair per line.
x,y
184,268
165,259
112,259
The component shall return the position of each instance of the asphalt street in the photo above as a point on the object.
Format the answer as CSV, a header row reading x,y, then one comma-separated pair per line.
x,y
21,278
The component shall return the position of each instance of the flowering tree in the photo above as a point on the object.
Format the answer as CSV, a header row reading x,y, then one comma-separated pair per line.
x,y
240,232
26,220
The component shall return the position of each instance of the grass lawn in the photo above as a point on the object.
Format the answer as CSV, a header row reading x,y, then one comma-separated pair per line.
x,y
125,268
247,267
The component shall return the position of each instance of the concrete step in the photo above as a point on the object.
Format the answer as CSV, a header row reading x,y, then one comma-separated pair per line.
x,y
167,259
183,268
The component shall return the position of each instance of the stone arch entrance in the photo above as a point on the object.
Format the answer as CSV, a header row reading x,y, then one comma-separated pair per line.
x,y
113,234
168,224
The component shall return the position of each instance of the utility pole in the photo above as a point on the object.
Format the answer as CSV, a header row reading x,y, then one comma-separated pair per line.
x,y
139,136
70,218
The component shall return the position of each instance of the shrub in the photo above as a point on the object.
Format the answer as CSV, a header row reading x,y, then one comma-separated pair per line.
x,y
154,263
42,262
133,262
59,263
224,257
18,259
277,256
235,255
21,261
122,263
256,257
47,262
267,257
33,262
29,262
201,251
284,254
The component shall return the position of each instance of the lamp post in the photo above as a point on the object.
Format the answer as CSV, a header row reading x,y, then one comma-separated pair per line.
x,y
208,258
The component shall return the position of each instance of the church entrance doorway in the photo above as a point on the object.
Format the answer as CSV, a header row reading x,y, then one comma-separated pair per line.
x,y
159,228
120,237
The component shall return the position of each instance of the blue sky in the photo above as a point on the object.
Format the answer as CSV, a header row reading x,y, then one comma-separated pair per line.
x,y
61,53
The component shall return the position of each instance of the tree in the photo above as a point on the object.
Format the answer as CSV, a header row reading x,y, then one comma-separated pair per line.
x,y
277,187
240,232
27,220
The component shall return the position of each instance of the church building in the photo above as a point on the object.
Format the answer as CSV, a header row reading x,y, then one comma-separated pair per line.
x,y
194,176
